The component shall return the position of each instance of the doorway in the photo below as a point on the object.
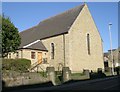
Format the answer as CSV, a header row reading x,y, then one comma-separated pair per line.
x,y
39,57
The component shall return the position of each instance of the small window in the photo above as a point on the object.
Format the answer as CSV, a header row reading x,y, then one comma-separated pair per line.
x,y
17,55
33,55
44,60
9,55
52,50
88,43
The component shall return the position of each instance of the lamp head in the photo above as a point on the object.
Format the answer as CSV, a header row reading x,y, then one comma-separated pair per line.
x,y
110,23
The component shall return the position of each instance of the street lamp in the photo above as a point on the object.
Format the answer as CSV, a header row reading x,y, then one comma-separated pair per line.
x,y
110,24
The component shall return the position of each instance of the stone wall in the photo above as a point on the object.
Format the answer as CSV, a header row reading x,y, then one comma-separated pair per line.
x,y
59,58
79,57
16,79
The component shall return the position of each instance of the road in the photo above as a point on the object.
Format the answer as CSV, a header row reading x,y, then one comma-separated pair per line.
x,y
112,83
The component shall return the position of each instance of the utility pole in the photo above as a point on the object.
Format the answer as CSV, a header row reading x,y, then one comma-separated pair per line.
x,y
110,24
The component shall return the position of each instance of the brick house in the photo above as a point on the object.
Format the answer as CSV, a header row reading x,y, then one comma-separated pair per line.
x,y
68,39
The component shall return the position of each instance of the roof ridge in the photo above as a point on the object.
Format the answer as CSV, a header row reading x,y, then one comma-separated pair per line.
x,y
51,17
53,26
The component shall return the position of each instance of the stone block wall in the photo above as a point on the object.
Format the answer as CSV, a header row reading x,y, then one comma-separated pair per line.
x,y
78,50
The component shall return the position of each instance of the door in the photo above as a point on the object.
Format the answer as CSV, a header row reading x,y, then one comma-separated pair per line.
x,y
39,57
106,66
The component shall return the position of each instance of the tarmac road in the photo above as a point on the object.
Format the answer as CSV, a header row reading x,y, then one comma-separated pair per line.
x,y
111,83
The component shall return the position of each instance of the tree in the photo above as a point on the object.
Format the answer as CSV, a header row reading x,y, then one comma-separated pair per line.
x,y
10,37
0,36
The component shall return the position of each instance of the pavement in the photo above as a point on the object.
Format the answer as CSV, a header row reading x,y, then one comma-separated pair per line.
x,y
111,83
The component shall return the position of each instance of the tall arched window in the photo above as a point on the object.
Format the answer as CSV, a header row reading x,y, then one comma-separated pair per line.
x,y
88,43
52,50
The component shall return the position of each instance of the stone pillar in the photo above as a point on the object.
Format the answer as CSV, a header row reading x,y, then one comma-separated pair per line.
x,y
86,73
51,74
110,70
66,74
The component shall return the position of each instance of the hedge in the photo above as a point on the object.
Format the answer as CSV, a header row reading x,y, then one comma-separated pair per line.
x,y
117,68
97,75
19,65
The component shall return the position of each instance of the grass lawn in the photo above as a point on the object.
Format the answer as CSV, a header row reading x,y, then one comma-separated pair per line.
x,y
109,74
43,74
78,76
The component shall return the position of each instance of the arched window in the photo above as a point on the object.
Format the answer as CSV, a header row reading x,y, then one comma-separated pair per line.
x,y
52,50
88,43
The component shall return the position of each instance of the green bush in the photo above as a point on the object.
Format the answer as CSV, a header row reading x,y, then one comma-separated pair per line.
x,y
58,80
44,74
97,75
117,68
20,65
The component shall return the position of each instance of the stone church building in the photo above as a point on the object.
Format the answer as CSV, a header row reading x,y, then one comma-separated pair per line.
x,y
68,39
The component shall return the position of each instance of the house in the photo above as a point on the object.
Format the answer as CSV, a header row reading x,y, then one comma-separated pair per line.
x,y
108,59
69,39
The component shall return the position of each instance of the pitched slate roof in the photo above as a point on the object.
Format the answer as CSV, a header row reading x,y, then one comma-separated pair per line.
x,y
37,46
106,54
26,36
53,26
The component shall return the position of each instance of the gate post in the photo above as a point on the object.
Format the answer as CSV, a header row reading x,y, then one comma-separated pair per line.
x,y
66,74
51,74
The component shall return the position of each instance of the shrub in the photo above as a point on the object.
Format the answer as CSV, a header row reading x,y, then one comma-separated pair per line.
x,y
43,74
20,65
117,68
58,80
97,75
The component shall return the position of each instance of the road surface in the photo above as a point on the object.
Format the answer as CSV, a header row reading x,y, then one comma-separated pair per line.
x,y
112,83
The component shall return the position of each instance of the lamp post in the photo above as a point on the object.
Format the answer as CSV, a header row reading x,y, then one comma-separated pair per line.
x,y
110,24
